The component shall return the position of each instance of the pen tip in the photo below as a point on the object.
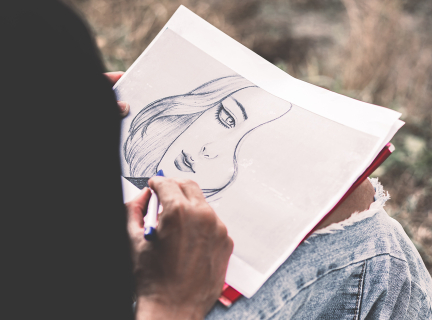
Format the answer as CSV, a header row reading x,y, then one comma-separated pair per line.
x,y
150,233
160,173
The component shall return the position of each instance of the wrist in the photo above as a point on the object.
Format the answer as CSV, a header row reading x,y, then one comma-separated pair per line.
x,y
152,308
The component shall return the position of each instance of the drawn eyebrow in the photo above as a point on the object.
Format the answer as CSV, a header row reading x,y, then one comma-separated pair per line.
x,y
241,108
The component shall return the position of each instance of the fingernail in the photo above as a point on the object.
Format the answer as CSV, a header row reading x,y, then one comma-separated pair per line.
x,y
124,107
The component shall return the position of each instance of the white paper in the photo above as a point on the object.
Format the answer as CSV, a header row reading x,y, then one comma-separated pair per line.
x,y
272,149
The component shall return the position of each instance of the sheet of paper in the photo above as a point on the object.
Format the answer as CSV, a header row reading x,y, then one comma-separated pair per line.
x,y
271,153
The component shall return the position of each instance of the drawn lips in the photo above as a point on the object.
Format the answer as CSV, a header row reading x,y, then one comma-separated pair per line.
x,y
183,164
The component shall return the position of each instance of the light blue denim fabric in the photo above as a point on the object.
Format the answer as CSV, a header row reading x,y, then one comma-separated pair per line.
x,y
367,270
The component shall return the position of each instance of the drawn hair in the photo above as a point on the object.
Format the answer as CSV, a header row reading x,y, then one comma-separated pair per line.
x,y
161,122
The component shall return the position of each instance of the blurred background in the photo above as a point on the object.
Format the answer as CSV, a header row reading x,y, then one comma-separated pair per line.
x,y
376,51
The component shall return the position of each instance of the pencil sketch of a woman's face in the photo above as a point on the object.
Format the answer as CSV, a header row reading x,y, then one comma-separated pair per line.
x,y
204,129
205,151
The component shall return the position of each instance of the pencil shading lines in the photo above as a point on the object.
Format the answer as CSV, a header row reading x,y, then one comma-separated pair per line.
x,y
140,183
156,135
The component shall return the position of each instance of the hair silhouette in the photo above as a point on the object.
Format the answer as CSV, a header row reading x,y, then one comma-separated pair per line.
x,y
161,122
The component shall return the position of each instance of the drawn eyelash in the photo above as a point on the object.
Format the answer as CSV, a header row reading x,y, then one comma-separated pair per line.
x,y
229,122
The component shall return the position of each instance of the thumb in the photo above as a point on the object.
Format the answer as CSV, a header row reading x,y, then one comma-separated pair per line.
x,y
135,209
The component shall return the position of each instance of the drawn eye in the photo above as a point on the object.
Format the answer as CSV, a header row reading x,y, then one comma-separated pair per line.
x,y
225,118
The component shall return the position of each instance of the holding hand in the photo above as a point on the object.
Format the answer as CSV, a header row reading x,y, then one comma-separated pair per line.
x,y
113,77
180,275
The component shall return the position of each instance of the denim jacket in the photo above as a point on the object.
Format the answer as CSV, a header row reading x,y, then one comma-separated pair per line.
x,y
363,268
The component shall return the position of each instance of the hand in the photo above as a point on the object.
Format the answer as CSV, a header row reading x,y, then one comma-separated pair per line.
x,y
181,274
113,77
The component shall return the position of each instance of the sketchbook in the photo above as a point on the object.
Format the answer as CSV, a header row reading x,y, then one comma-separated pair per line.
x,y
272,154
230,295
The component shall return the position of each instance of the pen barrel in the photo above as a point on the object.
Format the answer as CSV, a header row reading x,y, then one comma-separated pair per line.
x,y
150,219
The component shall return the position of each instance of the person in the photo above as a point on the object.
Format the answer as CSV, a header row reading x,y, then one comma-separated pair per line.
x,y
71,252
197,135
69,249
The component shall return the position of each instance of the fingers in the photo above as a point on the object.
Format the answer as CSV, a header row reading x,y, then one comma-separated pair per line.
x,y
183,201
124,108
168,191
136,208
190,189
113,77
141,200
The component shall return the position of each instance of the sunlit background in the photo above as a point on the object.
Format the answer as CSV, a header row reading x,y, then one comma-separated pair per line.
x,y
376,51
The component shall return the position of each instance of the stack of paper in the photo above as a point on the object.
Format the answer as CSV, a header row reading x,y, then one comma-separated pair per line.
x,y
272,154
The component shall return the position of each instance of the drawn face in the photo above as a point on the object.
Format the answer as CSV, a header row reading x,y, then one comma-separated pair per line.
x,y
205,151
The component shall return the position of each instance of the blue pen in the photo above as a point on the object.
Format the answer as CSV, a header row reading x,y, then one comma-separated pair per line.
x,y
150,222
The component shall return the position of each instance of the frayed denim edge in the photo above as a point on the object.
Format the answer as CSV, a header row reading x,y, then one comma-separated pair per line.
x,y
380,198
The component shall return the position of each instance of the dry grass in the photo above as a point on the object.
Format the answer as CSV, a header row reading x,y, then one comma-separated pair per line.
x,y
375,51
388,61
124,28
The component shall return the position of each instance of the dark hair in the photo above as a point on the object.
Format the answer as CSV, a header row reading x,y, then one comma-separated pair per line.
x,y
67,254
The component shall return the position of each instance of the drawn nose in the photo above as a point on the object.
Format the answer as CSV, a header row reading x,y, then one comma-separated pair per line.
x,y
207,152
